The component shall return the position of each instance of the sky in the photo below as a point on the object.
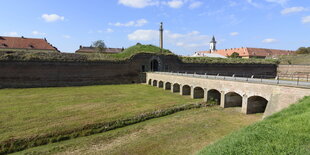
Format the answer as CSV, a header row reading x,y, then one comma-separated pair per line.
x,y
189,24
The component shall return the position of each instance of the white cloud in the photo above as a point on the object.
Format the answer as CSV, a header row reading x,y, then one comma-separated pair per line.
x,y
195,5
269,40
52,17
143,35
136,23
109,30
306,19
234,33
37,33
175,3
253,3
138,3
11,34
292,10
188,40
66,36
282,2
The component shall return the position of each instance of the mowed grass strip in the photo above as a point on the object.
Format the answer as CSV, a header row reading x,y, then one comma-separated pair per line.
x,y
286,132
182,133
38,111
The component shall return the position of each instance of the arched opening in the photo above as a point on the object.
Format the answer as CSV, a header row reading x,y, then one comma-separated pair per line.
x,y
198,92
168,86
161,84
186,90
233,99
154,65
214,96
155,83
256,104
176,88
150,82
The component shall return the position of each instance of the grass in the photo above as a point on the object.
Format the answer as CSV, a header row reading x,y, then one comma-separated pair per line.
x,y
37,111
300,59
286,132
227,60
181,133
127,54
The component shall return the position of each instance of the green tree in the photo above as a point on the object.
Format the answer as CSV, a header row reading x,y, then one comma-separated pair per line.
x,y
99,45
303,50
234,55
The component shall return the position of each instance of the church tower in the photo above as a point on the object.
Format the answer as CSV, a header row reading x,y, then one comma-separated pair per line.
x,y
213,45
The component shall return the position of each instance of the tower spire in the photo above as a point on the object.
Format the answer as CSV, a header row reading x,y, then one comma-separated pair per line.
x,y
213,45
161,36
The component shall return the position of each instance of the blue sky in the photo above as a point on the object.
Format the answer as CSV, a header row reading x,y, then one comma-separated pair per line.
x,y
189,24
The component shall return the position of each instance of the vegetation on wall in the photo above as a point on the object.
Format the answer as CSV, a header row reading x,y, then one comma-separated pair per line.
x,y
127,54
227,60
303,50
300,59
286,132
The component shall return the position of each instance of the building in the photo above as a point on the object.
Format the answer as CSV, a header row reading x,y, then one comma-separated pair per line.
x,y
90,49
244,52
15,44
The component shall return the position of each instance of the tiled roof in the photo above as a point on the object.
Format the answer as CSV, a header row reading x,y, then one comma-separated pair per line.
x,y
25,43
251,52
93,50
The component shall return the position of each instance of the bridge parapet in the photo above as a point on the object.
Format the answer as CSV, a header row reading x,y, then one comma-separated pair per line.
x,y
252,95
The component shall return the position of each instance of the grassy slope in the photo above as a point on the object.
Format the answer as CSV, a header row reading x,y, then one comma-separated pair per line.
x,y
28,112
287,132
127,54
301,59
181,133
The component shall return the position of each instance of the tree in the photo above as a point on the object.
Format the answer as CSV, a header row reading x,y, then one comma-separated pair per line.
x,y
99,45
302,50
234,55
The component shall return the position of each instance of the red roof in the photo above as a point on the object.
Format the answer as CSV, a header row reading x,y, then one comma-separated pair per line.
x,y
25,43
251,52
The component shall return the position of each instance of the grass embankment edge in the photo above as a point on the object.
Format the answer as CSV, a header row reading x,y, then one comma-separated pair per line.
x,y
14,145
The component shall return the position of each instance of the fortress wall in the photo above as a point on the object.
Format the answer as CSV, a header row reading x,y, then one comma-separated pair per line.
x,y
45,74
294,69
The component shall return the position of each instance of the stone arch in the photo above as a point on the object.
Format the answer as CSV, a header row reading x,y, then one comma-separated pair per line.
x,y
167,86
214,96
154,82
198,92
176,88
161,84
186,90
150,82
233,99
155,64
256,104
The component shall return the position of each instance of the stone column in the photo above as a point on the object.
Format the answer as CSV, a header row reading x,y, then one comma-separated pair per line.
x,y
192,92
205,96
222,99
172,90
181,89
244,104
164,85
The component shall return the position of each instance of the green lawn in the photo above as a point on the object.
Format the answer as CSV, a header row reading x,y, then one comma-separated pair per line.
x,y
284,133
181,133
38,111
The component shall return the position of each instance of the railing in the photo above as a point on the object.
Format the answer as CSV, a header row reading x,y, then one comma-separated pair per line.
x,y
237,77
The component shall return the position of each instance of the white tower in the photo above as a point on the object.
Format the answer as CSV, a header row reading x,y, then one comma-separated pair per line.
x,y
213,45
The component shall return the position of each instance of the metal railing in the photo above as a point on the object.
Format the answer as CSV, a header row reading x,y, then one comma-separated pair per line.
x,y
264,79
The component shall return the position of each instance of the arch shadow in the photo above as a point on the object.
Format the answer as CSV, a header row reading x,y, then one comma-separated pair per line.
x,y
155,83
150,82
256,104
198,93
161,84
167,86
214,96
175,88
233,99
186,90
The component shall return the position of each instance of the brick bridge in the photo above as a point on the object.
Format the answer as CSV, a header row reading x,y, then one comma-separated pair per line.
x,y
252,95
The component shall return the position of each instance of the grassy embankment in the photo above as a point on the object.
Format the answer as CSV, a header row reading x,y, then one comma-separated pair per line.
x,y
286,132
127,54
55,113
300,59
